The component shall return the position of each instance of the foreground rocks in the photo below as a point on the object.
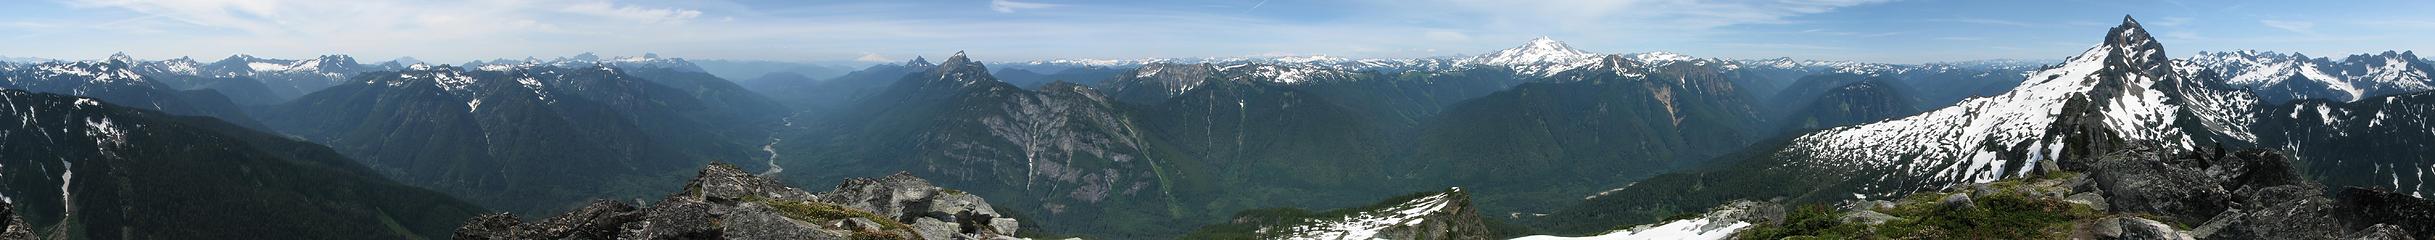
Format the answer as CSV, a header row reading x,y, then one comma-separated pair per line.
x,y
15,229
2136,193
724,202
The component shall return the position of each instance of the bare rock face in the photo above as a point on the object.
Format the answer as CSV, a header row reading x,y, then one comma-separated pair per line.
x,y
2249,194
16,228
724,202
913,200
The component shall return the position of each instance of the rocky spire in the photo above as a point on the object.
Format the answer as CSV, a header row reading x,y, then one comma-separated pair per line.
x,y
918,61
121,58
2134,48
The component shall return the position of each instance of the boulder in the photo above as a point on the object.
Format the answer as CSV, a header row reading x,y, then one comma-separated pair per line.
x,y
2383,232
1868,217
2143,229
1958,201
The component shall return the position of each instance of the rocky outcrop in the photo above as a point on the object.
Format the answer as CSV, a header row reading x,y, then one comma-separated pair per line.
x,y
2249,194
725,202
15,229
2145,192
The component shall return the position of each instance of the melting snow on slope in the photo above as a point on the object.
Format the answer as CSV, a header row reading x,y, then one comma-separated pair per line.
x,y
1719,224
1367,225
1968,142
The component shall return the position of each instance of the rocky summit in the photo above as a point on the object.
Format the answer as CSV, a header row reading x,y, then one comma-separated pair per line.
x,y
725,202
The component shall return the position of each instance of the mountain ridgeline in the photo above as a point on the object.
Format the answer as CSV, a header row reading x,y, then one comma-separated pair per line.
x,y
82,168
1537,139
2122,97
1184,143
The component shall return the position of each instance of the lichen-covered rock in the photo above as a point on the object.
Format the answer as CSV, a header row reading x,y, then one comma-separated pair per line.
x,y
1867,217
724,202
2410,215
1958,201
2144,229
16,227
2383,232
911,199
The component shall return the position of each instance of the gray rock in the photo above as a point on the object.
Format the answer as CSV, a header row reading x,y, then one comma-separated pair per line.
x,y
725,202
2221,220
2383,232
860,224
933,229
730,184
755,221
2145,180
1867,217
486,227
678,219
1960,201
2105,228
601,219
18,230
2093,200
911,199
2142,228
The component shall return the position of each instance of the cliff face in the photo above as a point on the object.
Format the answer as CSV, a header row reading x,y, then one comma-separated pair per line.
x,y
724,202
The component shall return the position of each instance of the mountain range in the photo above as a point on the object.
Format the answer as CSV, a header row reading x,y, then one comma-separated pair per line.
x,y
1537,139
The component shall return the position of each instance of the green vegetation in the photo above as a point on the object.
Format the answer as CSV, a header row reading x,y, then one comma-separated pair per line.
x,y
816,212
2003,215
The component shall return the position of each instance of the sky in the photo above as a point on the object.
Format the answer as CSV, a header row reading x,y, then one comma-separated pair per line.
x,y
869,31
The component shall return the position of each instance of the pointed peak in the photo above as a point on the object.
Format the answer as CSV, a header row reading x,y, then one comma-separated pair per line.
x,y
2133,41
918,61
957,58
121,57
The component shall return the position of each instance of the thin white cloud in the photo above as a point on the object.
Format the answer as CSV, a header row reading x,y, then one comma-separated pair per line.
x,y
873,57
633,13
1010,6
2301,27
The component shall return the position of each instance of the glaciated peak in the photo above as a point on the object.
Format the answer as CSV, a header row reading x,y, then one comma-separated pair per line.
x,y
121,58
1540,50
586,56
407,60
1539,57
1661,58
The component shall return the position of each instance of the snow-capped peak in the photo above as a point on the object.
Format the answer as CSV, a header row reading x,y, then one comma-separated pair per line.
x,y
1539,57
1661,58
121,58
2120,87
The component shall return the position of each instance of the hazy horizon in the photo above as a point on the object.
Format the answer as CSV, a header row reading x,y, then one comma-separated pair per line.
x,y
866,32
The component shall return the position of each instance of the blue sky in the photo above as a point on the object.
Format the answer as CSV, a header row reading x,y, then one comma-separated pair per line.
x,y
1897,31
